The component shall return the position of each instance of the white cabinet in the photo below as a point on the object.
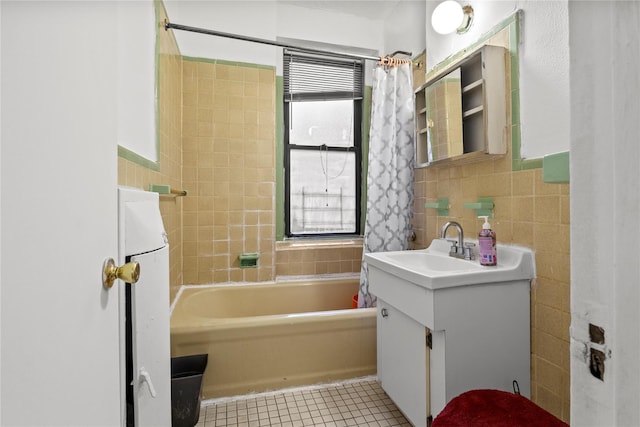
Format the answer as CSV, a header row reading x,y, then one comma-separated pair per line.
x,y
462,109
480,331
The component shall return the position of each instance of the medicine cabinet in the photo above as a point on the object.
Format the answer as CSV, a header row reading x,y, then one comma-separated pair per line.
x,y
461,110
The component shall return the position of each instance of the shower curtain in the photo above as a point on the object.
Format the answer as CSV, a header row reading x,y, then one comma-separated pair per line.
x,y
390,174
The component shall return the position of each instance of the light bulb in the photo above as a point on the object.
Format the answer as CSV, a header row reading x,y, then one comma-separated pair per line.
x,y
447,17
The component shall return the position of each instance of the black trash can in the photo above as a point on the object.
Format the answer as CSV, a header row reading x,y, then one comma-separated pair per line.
x,y
186,386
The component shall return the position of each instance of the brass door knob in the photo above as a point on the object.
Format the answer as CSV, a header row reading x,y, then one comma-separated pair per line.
x,y
130,272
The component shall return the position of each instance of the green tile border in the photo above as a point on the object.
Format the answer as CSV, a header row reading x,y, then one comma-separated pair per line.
x,y
517,162
555,168
138,159
279,159
231,63
157,5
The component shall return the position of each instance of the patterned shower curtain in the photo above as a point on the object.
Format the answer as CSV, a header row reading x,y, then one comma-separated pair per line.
x,y
390,174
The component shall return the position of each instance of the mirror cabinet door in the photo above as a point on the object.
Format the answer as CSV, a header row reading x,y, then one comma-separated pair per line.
x,y
444,117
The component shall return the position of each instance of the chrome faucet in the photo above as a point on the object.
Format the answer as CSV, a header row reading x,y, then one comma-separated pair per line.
x,y
458,248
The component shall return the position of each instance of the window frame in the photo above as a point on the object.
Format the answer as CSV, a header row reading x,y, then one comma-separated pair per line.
x,y
358,102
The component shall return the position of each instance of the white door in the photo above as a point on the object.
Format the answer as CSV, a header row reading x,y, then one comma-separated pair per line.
x,y
58,168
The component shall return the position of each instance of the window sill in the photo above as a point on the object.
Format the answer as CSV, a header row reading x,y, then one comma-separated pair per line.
x,y
310,243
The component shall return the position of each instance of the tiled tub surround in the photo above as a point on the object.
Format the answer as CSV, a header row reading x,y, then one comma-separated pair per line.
x,y
270,336
314,257
228,129
217,141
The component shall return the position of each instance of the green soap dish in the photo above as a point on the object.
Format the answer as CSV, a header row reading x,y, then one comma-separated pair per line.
x,y
483,207
249,260
442,205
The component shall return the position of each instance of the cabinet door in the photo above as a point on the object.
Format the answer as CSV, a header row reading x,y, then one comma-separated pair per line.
x,y
444,117
463,115
403,362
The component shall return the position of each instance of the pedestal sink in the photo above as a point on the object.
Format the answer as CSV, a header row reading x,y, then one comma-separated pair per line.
x,y
448,325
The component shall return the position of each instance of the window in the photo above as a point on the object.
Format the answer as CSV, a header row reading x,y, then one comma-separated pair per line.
x,y
322,144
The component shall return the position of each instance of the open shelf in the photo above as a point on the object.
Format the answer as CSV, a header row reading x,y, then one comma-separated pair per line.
x,y
461,110
472,86
469,113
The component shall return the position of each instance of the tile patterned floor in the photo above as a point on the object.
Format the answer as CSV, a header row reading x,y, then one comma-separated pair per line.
x,y
361,403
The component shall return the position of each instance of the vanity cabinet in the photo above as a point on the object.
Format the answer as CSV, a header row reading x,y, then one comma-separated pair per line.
x,y
462,109
437,338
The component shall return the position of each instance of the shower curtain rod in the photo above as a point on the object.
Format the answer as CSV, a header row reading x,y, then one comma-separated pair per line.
x,y
386,60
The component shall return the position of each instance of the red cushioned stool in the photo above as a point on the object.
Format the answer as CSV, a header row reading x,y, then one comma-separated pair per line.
x,y
494,408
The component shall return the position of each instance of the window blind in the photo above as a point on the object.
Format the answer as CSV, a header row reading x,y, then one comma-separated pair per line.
x,y
315,77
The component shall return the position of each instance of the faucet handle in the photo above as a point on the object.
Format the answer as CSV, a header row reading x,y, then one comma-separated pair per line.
x,y
454,247
468,254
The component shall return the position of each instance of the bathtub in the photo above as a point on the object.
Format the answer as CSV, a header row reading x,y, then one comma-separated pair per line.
x,y
269,336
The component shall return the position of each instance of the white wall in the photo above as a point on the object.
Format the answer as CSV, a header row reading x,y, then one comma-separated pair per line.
x,y
544,65
404,28
267,20
605,209
329,27
135,31
249,18
271,20
341,32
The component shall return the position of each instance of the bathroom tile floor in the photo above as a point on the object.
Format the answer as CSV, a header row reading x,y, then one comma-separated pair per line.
x,y
353,403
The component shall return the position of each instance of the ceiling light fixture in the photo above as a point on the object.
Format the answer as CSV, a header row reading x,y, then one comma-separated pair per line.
x,y
450,16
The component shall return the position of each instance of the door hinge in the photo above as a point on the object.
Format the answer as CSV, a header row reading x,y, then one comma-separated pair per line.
x,y
429,420
429,341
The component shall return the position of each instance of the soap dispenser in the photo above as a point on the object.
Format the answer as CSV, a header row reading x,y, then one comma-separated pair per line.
x,y
487,244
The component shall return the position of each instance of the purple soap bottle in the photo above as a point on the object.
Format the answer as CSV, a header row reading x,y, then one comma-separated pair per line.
x,y
487,244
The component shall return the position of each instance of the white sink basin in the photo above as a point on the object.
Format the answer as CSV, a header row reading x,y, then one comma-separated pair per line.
x,y
433,268
430,262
